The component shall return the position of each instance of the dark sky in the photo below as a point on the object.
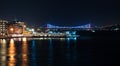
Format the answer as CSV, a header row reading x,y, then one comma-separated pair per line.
x,y
61,12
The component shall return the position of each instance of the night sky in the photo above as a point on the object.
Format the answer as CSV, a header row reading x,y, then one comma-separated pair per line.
x,y
61,12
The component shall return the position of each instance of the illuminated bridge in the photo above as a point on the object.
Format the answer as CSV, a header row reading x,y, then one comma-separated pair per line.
x,y
81,27
86,26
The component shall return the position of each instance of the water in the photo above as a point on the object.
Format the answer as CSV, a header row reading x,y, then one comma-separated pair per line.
x,y
84,51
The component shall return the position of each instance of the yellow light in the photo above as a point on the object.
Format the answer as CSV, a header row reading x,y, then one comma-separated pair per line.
x,y
24,39
11,41
11,53
24,52
11,29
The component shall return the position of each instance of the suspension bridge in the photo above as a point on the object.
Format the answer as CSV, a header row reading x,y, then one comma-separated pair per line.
x,y
81,27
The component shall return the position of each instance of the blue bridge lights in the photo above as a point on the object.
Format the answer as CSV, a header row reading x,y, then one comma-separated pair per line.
x,y
87,26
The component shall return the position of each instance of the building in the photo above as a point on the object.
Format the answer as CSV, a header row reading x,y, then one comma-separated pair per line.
x,y
17,28
3,27
14,28
23,24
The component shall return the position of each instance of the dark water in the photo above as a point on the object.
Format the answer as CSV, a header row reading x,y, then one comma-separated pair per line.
x,y
83,51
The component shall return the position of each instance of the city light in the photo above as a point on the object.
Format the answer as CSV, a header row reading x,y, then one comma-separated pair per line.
x,y
24,26
11,29
24,39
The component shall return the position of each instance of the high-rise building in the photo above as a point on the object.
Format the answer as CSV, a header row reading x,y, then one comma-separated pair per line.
x,y
3,27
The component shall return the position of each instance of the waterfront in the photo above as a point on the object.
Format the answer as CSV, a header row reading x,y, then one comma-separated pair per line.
x,y
81,51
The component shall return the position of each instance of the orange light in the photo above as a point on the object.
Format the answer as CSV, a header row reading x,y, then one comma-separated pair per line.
x,y
24,26
11,29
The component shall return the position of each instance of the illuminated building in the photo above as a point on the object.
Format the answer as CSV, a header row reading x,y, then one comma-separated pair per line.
x,y
3,27
3,52
14,28
11,53
23,24
17,29
38,30
24,29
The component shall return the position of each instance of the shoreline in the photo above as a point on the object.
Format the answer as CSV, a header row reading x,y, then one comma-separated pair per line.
x,y
3,37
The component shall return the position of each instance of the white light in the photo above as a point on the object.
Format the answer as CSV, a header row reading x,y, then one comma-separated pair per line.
x,y
93,30
24,39
32,30
67,32
45,35
49,35
17,35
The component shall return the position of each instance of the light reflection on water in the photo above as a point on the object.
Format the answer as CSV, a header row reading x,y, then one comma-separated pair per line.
x,y
11,53
33,53
71,54
50,56
3,52
21,58
68,55
56,52
75,52
24,52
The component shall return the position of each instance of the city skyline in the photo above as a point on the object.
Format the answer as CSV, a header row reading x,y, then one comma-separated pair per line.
x,y
64,12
